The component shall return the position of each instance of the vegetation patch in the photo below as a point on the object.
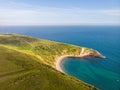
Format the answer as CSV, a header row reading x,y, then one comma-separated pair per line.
x,y
28,63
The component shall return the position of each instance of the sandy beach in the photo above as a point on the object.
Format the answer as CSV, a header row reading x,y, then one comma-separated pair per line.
x,y
60,59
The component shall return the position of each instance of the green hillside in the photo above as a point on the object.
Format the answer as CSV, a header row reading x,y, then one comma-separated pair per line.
x,y
28,63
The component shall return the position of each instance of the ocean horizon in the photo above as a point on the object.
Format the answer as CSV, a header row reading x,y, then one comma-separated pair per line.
x,y
102,73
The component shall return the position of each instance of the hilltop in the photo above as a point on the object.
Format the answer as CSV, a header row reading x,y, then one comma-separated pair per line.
x,y
29,63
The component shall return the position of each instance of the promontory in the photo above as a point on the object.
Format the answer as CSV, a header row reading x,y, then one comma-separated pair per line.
x,y
28,63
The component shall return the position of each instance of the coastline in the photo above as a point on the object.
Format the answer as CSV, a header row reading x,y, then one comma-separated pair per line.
x,y
61,58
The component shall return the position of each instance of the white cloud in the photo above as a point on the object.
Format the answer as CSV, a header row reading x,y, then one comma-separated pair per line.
x,y
112,12
47,15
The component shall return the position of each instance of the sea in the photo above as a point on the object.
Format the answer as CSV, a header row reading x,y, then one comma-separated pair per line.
x,y
102,73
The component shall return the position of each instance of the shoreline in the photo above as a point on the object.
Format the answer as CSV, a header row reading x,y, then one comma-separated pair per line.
x,y
61,58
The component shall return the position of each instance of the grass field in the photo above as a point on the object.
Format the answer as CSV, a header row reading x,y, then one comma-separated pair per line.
x,y
28,63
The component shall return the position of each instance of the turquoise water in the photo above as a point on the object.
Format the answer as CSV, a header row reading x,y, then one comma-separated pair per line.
x,y
103,73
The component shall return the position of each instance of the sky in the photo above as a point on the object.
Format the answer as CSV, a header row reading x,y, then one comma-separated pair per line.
x,y
59,12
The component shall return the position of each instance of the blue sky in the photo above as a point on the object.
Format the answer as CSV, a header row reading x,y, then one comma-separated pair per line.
x,y
59,12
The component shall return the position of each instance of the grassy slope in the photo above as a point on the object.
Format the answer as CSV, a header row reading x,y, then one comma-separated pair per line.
x,y
28,63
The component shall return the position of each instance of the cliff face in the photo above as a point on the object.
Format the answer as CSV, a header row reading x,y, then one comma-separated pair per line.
x,y
98,55
93,53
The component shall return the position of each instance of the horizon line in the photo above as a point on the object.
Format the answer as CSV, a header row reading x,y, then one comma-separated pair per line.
x,y
69,25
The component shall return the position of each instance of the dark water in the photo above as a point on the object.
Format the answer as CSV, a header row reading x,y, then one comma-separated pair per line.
x,y
103,73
